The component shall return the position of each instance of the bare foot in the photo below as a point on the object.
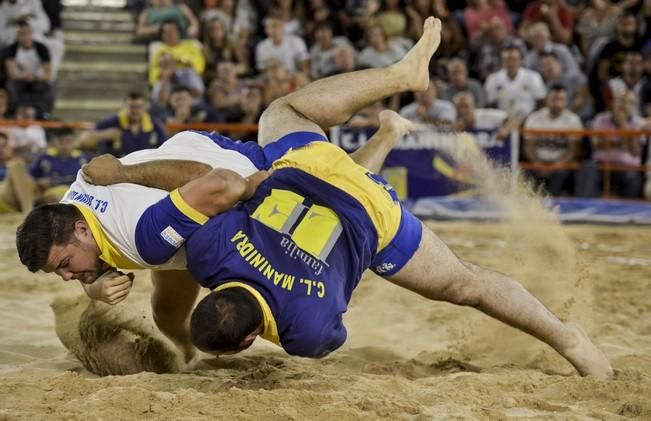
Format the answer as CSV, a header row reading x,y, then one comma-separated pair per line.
x,y
415,64
393,123
585,356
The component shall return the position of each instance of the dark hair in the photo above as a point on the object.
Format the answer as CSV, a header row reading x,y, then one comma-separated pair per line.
x,y
169,22
223,319
627,13
180,88
64,131
513,46
135,95
557,86
4,135
25,103
376,26
324,25
549,54
44,227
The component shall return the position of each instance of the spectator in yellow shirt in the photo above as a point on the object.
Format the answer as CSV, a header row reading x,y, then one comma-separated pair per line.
x,y
187,53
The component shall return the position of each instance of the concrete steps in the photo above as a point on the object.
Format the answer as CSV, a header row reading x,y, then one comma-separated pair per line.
x,y
104,19
104,67
104,89
85,110
101,64
97,37
95,4
91,53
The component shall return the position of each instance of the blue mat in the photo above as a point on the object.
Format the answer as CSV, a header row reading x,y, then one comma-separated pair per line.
x,y
571,210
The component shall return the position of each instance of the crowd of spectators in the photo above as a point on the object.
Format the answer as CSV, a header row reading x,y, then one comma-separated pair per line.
x,y
502,64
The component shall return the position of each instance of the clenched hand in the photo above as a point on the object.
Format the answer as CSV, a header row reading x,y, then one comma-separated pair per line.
x,y
103,170
111,287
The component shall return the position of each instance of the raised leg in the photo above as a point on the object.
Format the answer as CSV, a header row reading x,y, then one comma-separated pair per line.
x,y
436,273
172,301
333,100
392,127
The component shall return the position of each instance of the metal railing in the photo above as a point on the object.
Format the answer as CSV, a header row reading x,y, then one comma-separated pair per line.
x,y
605,136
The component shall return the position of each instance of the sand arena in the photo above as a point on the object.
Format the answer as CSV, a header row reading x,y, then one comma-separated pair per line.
x,y
406,358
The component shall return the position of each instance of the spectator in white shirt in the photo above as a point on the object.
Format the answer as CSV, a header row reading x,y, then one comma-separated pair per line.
x,y
29,70
29,138
329,55
289,50
578,93
486,124
540,40
514,89
14,11
554,149
460,82
381,51
428,109
32,11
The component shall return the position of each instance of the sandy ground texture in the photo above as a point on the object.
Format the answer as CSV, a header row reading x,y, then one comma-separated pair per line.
x,y
406,358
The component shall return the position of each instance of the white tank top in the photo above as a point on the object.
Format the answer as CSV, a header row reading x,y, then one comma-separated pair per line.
x,y
113,211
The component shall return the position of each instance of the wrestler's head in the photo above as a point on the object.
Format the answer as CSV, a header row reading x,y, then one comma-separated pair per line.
x,y
226,321
56,238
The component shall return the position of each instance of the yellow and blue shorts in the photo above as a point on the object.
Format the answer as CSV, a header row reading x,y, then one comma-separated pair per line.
x,y
397,230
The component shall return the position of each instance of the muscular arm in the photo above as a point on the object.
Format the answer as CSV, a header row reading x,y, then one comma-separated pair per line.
x,y
219,190
162,174
209,191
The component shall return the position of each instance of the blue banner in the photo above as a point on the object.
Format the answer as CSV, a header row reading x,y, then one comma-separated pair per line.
x,y
420,164
568,210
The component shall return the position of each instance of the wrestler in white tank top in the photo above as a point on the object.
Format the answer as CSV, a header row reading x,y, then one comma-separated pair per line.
x,y
113,211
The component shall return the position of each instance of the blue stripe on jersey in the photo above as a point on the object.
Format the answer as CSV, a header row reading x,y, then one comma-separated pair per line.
x,y
261,157
162,230
401,249
294,140
250,149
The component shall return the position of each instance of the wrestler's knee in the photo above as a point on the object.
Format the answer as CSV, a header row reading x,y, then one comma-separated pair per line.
x,y
277,107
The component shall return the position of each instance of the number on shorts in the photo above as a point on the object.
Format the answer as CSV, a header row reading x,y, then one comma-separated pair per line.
x,y
317,230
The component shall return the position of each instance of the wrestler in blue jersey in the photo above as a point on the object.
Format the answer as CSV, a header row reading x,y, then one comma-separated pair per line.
x,y
299,246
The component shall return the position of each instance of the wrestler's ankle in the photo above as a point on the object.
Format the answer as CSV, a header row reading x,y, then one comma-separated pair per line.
x,y
399,75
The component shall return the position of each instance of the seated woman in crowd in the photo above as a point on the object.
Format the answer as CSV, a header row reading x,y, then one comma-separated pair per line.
x,y
159,11
218,47
235,16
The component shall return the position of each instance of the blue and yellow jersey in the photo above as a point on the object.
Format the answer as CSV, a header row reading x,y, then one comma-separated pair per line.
x,y
300,245
151,134
58,169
